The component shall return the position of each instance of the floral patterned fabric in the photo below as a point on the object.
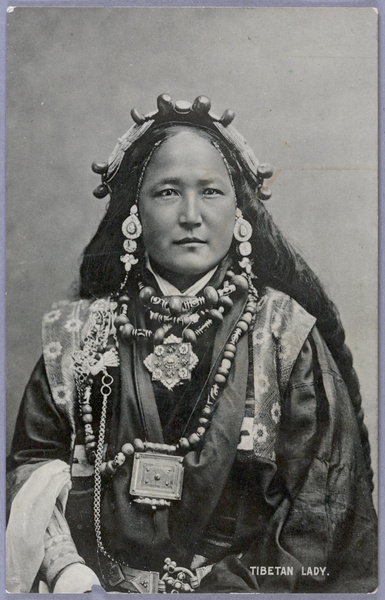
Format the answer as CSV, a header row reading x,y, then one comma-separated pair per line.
x,y
280,330
63,331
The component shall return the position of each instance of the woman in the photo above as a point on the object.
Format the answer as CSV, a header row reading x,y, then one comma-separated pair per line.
x,y
199,392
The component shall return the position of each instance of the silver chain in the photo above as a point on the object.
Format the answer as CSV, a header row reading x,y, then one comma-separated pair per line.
x,y
106,390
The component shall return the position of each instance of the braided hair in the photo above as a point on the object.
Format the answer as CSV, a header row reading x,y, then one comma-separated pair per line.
x,y
276,263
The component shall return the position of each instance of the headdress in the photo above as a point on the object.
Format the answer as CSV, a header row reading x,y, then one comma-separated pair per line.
x,y
184,113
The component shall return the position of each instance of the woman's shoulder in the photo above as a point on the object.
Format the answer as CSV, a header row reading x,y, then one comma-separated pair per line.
x,y
70,319
63,310
281,311
66,315
281,324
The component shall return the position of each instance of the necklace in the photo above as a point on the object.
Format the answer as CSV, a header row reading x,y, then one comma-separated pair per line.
x,y
157,471
173,360
157,474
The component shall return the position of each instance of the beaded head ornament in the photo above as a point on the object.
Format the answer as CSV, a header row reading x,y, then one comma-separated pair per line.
x,y
197,114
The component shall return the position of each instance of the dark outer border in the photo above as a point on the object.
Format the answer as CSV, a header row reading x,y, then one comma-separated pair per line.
x,y
379,5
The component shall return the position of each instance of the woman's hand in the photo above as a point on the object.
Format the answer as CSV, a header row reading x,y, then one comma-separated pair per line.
x,y
75,579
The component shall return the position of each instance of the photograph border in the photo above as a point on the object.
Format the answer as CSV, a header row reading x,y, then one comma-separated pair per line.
x,y
379,5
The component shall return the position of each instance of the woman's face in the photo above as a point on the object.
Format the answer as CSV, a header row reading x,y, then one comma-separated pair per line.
x,y
187,208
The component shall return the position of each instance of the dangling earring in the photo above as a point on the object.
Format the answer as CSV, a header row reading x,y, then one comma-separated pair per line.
x,y
242,233
132,229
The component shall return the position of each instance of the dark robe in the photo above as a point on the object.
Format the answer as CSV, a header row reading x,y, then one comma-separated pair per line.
x,y
302,502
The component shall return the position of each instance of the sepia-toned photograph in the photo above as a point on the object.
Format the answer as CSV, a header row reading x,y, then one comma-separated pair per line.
x,y
192,295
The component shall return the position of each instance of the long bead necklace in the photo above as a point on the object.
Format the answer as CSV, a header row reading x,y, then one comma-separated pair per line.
x,y
163,461
158,459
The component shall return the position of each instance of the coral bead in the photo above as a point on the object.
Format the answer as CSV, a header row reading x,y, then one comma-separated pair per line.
x,y
146,294
87,418
223,372
228,355
204,422
120,321
164,103
175,305
86,409
226,364
219,378
184,443
138,445
216,315
159,336
119,459
251,308
226,302
247,317
201,104
99,168
137,117
211,296
227,117
124,300
201,431
189,336
230,348
194,439
243,325
240,283
126,332
101,191
128,449
265,171
263,194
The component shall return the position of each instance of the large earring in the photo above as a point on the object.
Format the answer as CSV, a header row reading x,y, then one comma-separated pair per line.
x,y
132,229
242,233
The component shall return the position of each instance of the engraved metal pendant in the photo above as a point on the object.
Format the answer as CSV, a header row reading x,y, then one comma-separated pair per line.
x,y
172,362
156,478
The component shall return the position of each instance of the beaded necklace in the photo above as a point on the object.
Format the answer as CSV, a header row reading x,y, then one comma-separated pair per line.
x,y
157,470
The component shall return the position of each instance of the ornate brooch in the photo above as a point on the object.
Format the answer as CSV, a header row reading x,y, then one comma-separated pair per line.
x,y
172,362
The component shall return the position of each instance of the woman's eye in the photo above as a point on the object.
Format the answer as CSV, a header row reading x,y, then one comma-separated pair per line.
x,y
166,193
213,192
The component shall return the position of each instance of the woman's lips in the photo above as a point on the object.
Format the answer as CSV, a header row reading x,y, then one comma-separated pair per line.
x,y
186,241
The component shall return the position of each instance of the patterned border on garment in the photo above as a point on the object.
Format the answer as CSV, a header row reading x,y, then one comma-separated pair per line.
x,y
63,331
280,330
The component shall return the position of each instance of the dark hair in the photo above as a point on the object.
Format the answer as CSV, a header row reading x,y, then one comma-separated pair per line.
x,y
277,264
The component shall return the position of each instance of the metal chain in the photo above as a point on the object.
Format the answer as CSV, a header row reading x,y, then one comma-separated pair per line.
x,y
106,390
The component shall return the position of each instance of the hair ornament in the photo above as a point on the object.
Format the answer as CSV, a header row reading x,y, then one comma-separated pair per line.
x,y
197,113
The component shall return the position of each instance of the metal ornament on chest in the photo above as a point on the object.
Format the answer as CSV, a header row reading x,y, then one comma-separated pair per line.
x,y
172,362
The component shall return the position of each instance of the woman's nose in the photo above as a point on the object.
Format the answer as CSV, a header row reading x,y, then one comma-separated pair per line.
x,y
190,211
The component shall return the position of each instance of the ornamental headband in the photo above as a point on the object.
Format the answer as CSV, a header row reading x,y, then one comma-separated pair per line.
x,y
181,112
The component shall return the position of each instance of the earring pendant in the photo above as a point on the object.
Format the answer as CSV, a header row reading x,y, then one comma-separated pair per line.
x,y
132,227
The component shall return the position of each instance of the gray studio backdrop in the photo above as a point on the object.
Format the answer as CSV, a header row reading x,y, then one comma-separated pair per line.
x,y
303,85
